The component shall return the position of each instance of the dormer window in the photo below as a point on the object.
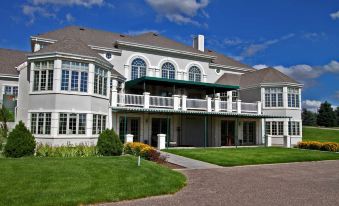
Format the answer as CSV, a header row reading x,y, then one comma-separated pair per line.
x,y
168,71
43,76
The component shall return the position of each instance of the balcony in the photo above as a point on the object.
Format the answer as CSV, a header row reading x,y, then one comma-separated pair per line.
x,y
177,102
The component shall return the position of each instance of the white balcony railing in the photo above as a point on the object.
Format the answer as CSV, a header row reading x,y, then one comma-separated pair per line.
x,y
177,102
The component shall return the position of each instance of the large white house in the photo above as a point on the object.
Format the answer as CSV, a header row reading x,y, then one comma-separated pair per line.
x,y
78,81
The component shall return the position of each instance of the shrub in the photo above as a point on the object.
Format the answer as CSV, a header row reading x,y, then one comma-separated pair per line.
x,y
20,142
330,146
109,143
144,150
81,150
324,146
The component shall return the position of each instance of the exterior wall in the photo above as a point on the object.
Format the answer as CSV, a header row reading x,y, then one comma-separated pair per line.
x,y
23,95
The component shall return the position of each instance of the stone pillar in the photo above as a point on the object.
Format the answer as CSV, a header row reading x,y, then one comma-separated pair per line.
x,y
216,104
129,138
287,141
183,101
239,106
209,104
259,107
176,102
161,141
146,100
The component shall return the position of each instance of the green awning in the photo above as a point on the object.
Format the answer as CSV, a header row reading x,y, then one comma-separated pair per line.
x,y
208,87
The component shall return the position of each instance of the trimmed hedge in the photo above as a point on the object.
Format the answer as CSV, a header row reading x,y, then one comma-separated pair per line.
x,y
109,143
20,142
324,146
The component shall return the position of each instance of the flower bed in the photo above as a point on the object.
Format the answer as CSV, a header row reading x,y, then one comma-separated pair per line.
x,y
143,150
324,146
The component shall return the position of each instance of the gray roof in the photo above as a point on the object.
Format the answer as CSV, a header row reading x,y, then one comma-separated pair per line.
x,y
108,39
9,59
257,77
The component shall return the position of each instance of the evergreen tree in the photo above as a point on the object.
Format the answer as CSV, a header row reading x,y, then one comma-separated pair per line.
x,y
309,118
326,115
337,114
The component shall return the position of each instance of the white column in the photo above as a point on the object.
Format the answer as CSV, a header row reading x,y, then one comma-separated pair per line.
x,y
285,98
129,138
146,99
216,104
299,90
57,75
89,124
204,78
259,107
262,89
183,101
287,141
126,68
179,75
114,98
54,124
150,72
176,102
229,101
161,141
91,70
209,104
239,106
109,123
268,140
31,77
108,89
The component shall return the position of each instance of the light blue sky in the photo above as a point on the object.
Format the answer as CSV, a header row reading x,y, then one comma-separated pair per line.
x,y
301,38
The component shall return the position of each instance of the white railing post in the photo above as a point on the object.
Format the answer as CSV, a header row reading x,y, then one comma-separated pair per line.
x,y
176,102
161,141
259,107
209,104
146,100
114,100
216,104
129,138
229,106
239,106
183,101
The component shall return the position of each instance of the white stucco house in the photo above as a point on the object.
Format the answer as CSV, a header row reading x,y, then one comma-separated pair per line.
x,y
78,81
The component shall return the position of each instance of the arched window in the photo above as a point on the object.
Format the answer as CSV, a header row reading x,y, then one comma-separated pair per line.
x,y
138,68
194,74
168,71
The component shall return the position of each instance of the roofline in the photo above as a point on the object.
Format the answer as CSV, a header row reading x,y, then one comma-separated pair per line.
x,y
106,49
272,85
14,76
43,39
231,67
163,49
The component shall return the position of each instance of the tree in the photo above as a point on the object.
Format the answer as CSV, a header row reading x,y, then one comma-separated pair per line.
x,y
337,114
109,143
5,116
326,115
309,118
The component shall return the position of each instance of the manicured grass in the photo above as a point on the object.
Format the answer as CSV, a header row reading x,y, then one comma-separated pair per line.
x,y
74,181
251,156
321,135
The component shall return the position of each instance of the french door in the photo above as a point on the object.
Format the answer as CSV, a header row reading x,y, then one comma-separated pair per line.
x,y
249,133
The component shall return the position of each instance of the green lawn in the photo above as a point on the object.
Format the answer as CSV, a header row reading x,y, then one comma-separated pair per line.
x,y
251,156
74,181
321,135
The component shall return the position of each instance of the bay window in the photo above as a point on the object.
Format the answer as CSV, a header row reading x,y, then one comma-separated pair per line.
x,y
72,123
100,81
74,76
41,123
99,123
293,97
274,128
43,76
273,97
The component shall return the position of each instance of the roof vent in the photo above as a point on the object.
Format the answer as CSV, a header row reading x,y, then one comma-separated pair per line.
x,y
155,34
122,35
82,29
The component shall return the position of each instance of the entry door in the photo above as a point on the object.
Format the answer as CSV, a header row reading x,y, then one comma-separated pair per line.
x,y
249,133
159,126
227,132
133,127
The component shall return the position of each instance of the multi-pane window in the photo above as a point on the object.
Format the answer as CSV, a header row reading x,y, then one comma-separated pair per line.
x,y
294,128
274,128
293,97
99,123
41,123
72,123
138,68
273,97
168,71
11,90
234,96
43,76
100,81
194,74
74,76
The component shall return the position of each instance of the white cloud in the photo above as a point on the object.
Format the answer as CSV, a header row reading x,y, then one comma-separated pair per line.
x,y
70,18
85,3
312,105
179,11
253,49
232,42
335,15
138,32
314,36
260,66
32,12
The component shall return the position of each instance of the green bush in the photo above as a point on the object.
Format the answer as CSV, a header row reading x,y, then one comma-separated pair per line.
x,y
20,142
109,143
81,150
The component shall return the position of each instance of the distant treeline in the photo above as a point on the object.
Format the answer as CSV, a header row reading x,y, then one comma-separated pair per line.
x,y
326,116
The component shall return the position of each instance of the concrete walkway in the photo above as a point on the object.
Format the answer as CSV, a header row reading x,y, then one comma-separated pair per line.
x,y
187,162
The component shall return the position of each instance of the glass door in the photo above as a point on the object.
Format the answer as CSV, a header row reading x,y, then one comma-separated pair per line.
x,y
249,133
130,126
159,126
227,132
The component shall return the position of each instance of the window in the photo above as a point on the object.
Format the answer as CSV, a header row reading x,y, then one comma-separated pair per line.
x,y
99,123
11,90
168,71
43,76
234,96
194,74
274,128
293,97
294,128
72,123
273,97
108,55
41,123
100,81
138,68
74,76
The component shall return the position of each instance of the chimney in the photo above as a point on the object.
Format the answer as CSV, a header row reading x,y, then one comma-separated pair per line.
x,y
199,42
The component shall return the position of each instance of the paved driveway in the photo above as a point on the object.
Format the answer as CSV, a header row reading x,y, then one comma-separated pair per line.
x,y
311,183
